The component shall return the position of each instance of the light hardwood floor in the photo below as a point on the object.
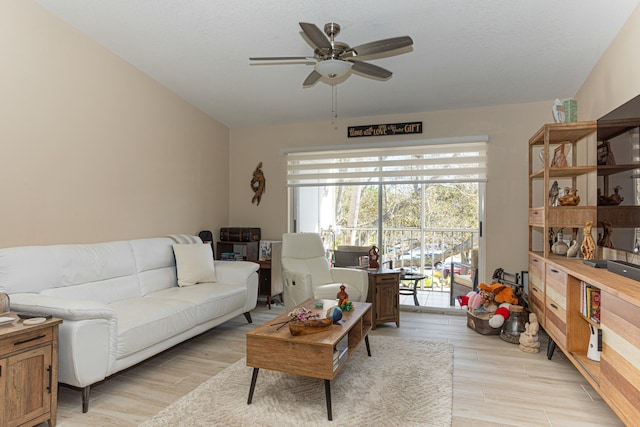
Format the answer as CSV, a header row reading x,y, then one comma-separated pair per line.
x,y
495,384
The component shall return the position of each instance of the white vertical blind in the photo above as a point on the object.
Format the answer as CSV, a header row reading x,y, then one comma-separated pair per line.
x,y
432,161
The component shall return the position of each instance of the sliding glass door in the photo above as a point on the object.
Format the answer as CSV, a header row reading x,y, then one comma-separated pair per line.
x,y
420,227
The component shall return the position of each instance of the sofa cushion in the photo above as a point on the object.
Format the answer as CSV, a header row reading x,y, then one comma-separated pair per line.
x,y
194,264
143,322
212,300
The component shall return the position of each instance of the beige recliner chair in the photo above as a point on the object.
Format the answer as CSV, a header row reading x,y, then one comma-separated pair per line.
x,y
307,274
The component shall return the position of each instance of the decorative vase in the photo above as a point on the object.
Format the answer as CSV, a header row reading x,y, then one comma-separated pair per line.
x,y
5,306
514,325
560,247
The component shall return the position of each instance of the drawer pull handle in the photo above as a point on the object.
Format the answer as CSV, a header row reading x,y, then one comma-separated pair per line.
x,y
554,270
29,340
534,289
554,306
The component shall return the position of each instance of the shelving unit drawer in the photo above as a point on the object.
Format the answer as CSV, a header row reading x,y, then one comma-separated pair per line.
x,y
556,289
571,216
556,322
536,267
537,301
536,217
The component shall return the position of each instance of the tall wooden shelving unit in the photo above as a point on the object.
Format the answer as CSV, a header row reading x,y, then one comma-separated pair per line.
x,y
542,216
556,282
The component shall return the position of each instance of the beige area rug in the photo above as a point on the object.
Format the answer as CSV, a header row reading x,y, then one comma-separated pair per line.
x,y
405,382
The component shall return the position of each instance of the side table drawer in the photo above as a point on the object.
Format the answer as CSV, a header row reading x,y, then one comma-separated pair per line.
x,y
27,340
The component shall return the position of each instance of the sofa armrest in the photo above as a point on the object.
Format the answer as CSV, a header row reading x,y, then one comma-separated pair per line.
x,y
62,308
354,277
235,271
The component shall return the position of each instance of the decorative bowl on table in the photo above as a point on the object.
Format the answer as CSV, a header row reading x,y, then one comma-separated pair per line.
x,y
310,326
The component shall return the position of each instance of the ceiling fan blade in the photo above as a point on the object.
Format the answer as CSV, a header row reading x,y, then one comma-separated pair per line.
x,y
278,58
316,36
311,79
380,46
371,70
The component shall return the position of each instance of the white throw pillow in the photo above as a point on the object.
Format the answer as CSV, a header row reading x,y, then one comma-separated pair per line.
x,y
194,263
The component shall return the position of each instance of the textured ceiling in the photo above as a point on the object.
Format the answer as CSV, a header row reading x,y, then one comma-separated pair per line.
x,y
466,53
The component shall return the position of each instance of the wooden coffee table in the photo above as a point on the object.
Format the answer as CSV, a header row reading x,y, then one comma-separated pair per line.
x,y
271,346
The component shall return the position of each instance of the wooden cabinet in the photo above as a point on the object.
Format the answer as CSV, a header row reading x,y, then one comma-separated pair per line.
x,y
616,377
543,172
270,275
28,373
384,296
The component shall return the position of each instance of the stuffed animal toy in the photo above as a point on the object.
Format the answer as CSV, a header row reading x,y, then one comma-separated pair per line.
x,y
501,293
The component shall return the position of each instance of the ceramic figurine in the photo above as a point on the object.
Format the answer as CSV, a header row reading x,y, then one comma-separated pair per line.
x,y
606,242
342,296
374,256
529,342
573,250
553,193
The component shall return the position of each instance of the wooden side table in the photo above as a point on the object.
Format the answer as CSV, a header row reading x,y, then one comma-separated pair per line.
x,y
28,373
384,296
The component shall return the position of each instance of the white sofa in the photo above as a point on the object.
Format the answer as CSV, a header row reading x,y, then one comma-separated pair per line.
x,y
120,301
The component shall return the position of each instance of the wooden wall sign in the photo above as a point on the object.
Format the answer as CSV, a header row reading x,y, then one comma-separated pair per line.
x,y
384,130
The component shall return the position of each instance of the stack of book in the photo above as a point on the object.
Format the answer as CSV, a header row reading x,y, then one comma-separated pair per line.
x,y
590,302
231,256
340,351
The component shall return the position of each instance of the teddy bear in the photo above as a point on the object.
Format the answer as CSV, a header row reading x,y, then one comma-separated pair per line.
x,y
501,293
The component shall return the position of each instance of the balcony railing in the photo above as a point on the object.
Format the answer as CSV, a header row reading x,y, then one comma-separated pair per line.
x,y
428,251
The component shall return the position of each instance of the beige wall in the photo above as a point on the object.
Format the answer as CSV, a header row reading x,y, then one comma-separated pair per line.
x,y
508,127
616,77
94,150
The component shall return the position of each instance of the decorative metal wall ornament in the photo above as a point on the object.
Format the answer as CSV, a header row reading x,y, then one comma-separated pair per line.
x,y
258,184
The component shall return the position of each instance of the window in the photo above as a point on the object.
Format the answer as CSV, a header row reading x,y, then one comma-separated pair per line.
x,y
419,203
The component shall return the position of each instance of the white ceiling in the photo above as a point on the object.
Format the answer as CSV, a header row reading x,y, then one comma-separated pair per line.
x,y
466,53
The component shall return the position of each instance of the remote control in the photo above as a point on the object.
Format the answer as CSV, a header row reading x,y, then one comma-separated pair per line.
x,y
32,316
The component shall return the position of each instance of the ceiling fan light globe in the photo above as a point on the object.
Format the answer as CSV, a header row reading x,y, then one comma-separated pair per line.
x,y
333,68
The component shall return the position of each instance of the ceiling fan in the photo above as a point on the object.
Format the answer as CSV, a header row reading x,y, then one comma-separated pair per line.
x,y
335,59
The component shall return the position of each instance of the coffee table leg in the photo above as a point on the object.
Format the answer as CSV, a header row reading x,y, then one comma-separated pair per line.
x,y
366,341
327,392
254,377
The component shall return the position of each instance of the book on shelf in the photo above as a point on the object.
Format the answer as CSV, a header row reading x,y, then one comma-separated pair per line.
x,y
590,302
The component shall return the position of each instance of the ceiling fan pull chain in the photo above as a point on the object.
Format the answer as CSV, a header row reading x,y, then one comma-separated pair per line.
x,y
334,101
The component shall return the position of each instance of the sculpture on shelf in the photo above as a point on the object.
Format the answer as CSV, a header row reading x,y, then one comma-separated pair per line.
x,y
588,247
573,250
558,111
606,241
613,200
553,193
570,197
258,184
529,342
